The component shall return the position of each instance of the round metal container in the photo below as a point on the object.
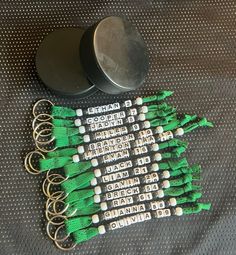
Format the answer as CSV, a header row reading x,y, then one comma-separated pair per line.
x,y
114,55
58,63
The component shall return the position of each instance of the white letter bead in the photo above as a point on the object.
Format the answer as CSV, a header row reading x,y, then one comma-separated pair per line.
x,y
166,174
81,129
155,167
128,103
166,184
81,149
144,109
97,190
79,112
94,182
179,132
173,201
77,122
86,138
158,157
95,218
163,213
147,124
160,193
97,172
166,136
101,230
103,206
139,101
76,158
94,162
159,129
155,147
141,117
178,211
97,199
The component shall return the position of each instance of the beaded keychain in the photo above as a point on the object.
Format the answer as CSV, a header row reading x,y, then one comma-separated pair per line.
x,y
113,166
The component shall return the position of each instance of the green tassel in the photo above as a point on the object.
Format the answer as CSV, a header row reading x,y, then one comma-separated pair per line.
x,y
83,203
62,153
79,182
159,113
68,141
74,169
62,112
63,123
202,123
72,211
178,191
174,154
174,165
74,224
173,143
196,187
159,96
179,123
157,107
182,180
190,198
178,164
85,234
186,170
187,118
59,132
53,163
162,121
172,125
77,195
198,207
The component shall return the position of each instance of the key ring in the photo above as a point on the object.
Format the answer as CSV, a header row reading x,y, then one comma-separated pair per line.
x,y
38,144
40,134
45,120
36,105
50,223
53,205
36,132
51,220
57,241
55,176
45,191
52,195
28,164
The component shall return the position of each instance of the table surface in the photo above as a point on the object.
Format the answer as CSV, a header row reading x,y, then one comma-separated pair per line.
x,y
192,51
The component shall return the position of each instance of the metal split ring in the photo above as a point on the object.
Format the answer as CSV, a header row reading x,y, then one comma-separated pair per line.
x,y
57,241
52,195
36,135
50,223
51,218
39,144
28,162
36,105
44,188
53,204
37,118
55,176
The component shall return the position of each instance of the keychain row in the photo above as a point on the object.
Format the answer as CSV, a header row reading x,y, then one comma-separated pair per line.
x,y
113,165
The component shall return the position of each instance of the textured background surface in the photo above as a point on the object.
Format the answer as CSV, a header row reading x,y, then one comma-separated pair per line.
x,y
192,51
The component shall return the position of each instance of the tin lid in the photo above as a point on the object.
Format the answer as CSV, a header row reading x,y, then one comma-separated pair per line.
x,y
58,63
114,55
110,56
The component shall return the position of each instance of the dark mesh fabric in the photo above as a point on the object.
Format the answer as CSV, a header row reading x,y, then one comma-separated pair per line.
x,y
192,48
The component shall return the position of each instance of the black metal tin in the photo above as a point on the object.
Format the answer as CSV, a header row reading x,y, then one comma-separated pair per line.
x,y
114,55
110,55
58,64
